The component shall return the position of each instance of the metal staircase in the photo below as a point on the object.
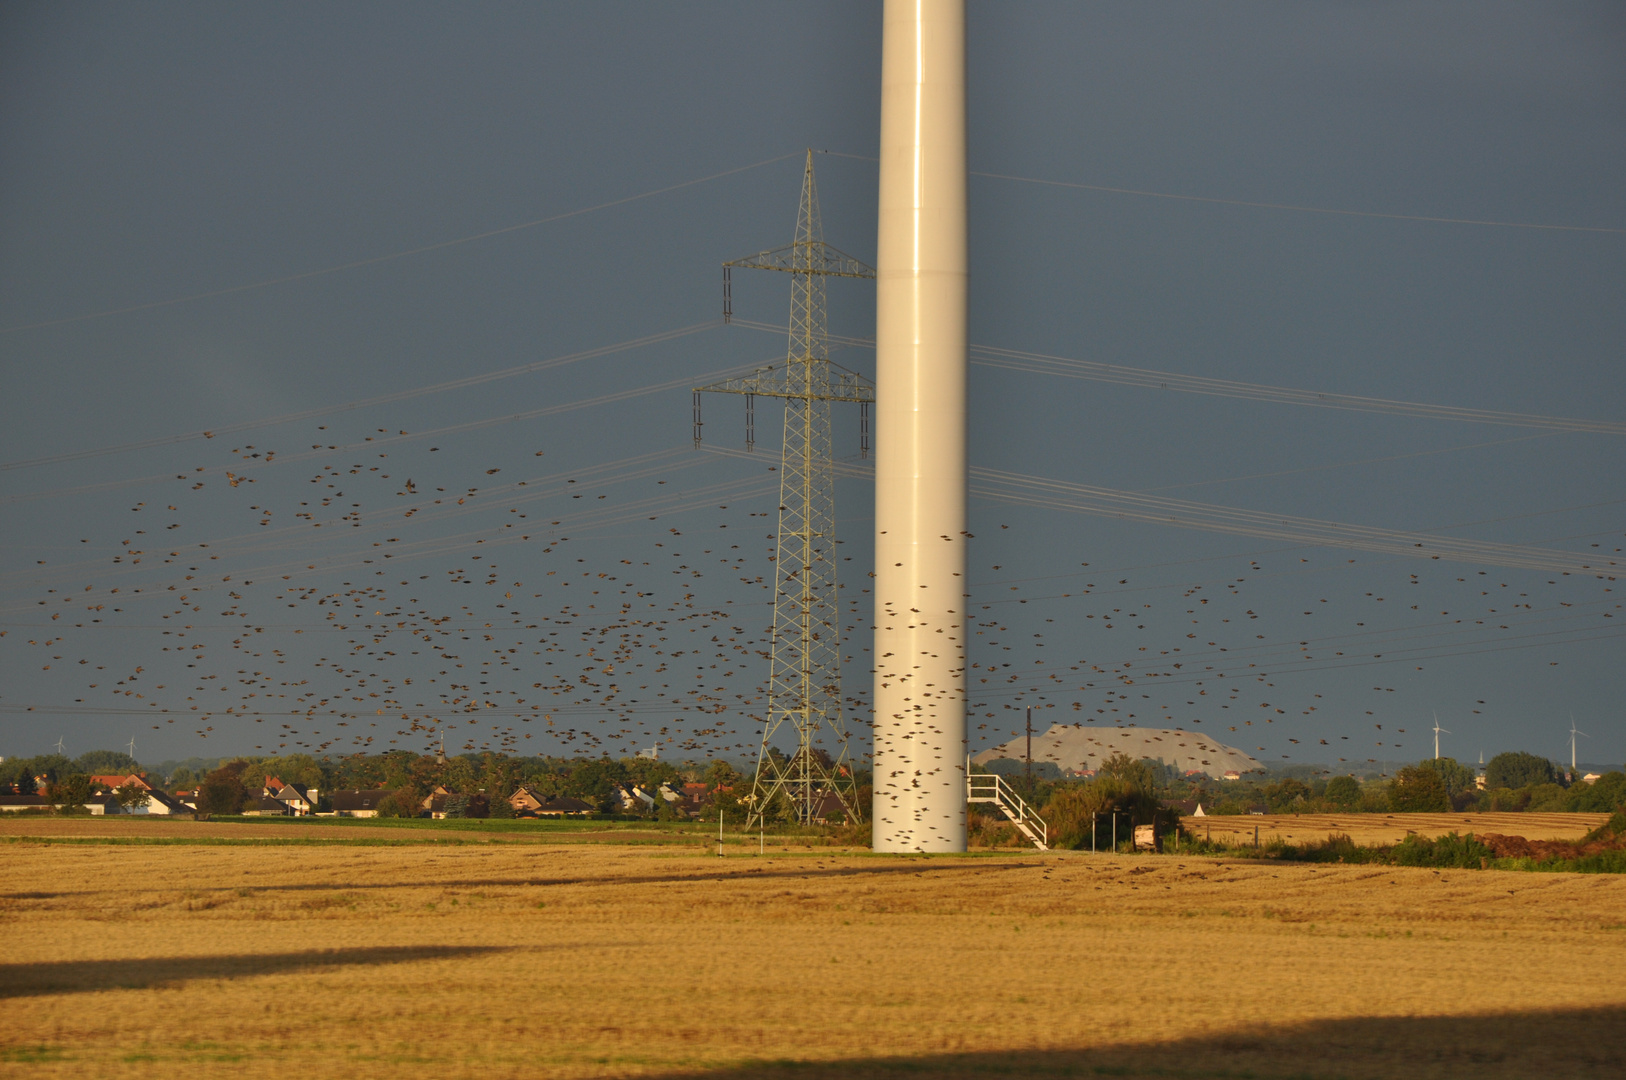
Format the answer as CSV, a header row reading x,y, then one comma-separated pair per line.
x,y
992,788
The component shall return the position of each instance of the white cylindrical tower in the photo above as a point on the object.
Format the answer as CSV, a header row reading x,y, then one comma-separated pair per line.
x,y
920,478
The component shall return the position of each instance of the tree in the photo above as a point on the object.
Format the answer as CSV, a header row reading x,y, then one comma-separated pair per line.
x,y
131,795
1419,789
594,779
1517,769
1456,777
1606,795
403,802
105,763
71,791
51,766
1344,792
1287,794
222,791
17,776
1137,775
300,769
499,778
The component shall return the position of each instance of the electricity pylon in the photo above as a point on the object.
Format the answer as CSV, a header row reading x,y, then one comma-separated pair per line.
x,y
804,675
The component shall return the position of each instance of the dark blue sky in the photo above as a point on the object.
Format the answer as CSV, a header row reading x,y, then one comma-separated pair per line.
x,y
158,152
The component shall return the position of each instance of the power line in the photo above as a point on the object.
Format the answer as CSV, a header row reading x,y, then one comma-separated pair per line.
x,y
381,399
375,260
1296,207
1123,375
1041,364
1084,498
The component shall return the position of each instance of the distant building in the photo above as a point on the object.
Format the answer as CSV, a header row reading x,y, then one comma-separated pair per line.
x,y
297,799
113,783
564,806
163,803
357,804
266,806
527,800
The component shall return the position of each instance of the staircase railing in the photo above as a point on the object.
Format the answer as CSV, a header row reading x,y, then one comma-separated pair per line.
x,y
992,788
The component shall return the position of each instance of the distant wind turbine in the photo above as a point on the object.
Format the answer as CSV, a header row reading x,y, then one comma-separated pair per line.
x,y
1573,734
1438,731
59,744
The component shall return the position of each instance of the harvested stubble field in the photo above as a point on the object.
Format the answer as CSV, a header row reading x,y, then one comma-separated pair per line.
x,y
1372,829
233,949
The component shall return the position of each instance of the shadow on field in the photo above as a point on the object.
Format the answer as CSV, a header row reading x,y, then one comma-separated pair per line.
x,y
756,872
81,976
1538,1043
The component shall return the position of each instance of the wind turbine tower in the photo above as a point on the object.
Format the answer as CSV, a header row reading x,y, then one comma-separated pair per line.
x,y
1438,731
920,461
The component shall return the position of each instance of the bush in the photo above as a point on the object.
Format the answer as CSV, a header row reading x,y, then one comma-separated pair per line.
x,y
1075,808
401,803
1337,847
1604,796
1448,851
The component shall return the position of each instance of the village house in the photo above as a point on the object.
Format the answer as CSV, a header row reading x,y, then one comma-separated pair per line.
x,y
298,800
357,804
434,803
96,804
161,802
265,806
110,783
828,810
558,806
526,800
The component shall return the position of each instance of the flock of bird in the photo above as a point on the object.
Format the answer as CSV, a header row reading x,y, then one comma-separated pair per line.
x,y
375,603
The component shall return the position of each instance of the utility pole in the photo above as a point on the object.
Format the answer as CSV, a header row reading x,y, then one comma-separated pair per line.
x,y
804,675
1030,751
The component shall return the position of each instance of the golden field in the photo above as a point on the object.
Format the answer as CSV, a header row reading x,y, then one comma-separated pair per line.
x,y
231,950
1372,829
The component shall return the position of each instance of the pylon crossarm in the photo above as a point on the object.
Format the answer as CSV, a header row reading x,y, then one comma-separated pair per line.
x,y
781,382
803,257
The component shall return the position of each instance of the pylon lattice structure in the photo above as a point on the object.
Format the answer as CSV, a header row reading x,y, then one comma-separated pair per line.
x,y
804,677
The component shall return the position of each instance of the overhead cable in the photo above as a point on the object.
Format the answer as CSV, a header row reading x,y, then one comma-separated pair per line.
x,y
1123,375
381,399
376,259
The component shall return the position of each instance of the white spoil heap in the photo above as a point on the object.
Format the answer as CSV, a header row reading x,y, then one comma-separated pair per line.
x,y
1084,748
